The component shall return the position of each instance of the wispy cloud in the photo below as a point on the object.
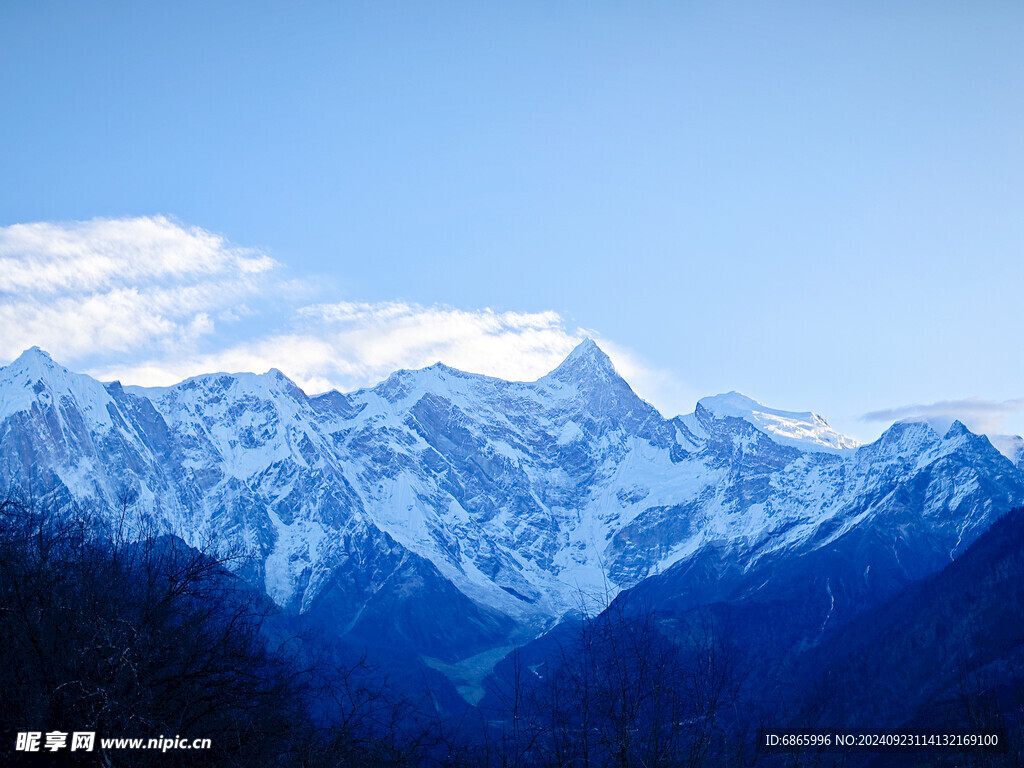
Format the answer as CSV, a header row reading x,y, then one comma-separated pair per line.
x,y
97,255
119,285
350,345
979,415
152,301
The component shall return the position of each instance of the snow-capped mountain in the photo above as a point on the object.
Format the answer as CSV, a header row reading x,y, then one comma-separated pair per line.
x,y
458,510
807,430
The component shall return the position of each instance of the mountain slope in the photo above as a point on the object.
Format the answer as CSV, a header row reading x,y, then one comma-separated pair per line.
x,y
946,641
510,502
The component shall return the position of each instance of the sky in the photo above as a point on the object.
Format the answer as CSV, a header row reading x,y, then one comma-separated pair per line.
x,y
817,204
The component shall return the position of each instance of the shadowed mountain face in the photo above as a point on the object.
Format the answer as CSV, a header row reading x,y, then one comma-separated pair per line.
x,y
448,513
944,639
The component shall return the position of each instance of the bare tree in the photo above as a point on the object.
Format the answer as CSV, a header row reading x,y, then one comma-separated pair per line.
x,y
628,688
133,637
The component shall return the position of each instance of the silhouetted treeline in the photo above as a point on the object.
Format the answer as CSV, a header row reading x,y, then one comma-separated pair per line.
x,y
620,689
108,627
103,630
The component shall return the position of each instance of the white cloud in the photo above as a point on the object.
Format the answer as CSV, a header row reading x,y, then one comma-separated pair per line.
x,y
118,285
347,346
149,300
988,417
102,254
350,345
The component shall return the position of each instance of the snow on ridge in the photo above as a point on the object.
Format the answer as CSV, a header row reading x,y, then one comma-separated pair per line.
x,y
804,430
34,377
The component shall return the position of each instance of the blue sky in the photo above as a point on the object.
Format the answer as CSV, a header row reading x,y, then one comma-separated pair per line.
x,y
817,204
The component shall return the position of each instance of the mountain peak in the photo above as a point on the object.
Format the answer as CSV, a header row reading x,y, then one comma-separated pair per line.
x,y
731,403
956,429
805,430
35,376
909,431
586,361
35,364
34,356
